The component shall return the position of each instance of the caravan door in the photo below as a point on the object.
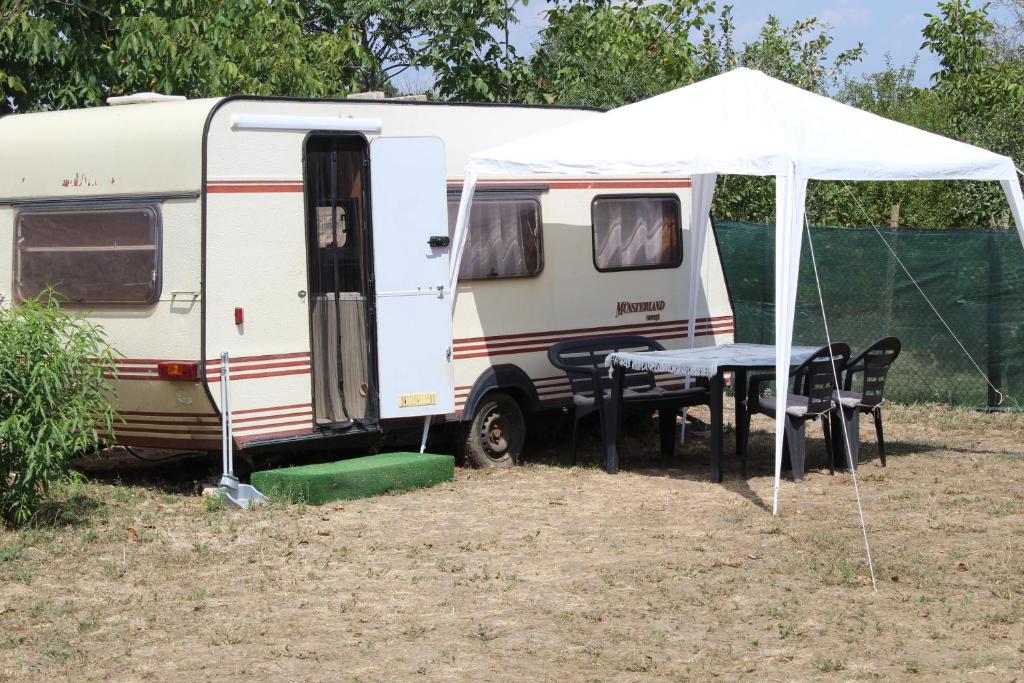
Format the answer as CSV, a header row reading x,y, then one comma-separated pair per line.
x,y
410,261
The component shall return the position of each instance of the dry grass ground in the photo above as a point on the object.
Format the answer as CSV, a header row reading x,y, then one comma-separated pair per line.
x,y
544,573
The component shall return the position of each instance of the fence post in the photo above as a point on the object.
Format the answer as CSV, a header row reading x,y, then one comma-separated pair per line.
x,y
994,318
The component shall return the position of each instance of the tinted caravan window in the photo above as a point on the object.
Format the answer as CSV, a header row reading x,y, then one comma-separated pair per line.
x,y
95,255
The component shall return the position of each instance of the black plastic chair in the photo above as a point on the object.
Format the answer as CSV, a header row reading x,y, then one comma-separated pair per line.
x,y
814,383
873,366
582,360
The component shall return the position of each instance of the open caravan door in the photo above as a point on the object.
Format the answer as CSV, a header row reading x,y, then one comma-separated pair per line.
x,y
410,257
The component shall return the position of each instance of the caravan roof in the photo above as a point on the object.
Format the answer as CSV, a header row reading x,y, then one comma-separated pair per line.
x,y
157,147
137,149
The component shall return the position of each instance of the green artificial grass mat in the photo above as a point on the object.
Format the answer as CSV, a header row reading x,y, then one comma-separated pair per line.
x,y
363,477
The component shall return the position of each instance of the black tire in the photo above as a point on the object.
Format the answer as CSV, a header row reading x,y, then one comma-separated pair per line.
x,y
495,435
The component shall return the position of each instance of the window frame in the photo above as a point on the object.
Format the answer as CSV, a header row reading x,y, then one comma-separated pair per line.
x,y
154,207
530,193
616,269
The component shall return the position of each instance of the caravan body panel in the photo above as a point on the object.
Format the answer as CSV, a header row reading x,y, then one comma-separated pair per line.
x,y
233,208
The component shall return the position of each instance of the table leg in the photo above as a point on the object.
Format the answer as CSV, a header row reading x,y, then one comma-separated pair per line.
x,y
610,423
716,387
739,385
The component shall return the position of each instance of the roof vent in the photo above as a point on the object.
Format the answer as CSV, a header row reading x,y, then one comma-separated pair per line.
x,y
368,95
379,95
143,98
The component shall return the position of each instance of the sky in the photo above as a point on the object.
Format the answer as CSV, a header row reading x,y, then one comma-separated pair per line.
x,y
884,26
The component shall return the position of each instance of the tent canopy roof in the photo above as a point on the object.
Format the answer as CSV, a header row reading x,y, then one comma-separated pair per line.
x,y
743,122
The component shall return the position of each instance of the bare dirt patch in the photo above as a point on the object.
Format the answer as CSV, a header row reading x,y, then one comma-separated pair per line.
x,y
545,572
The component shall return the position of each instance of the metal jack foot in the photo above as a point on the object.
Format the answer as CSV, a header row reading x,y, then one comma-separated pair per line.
x,y
241,495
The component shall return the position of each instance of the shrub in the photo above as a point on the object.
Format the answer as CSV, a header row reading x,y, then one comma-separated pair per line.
x,y
54,399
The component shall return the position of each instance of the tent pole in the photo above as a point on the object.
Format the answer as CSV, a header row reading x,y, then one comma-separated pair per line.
x,y
461,230
790,196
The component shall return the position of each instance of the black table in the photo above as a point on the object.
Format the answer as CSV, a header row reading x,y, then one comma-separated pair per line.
x,y
706,361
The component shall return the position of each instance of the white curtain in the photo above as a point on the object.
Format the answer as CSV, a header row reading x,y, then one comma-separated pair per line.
x,y
790,195
635,232
609,246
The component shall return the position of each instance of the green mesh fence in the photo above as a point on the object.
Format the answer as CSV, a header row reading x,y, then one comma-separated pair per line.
x,y
975,278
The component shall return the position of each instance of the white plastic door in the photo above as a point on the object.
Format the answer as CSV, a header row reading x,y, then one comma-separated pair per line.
x,y
414,321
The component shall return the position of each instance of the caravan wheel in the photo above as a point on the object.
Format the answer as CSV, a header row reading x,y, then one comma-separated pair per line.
x,y
495,436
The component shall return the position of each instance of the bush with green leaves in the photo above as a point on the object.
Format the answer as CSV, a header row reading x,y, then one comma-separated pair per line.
x,y
54,400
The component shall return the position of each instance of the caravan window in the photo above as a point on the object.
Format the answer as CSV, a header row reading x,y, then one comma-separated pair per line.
x,y
636,232
90,254
504,235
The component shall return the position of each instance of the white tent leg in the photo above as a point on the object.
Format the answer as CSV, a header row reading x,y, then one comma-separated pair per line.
x,y
459,237
701,195
790,196
1011,188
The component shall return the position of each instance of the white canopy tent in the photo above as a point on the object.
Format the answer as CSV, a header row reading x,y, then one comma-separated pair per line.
x,y
746,123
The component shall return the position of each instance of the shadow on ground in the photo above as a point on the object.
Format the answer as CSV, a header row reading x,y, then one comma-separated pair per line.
x,y
639,452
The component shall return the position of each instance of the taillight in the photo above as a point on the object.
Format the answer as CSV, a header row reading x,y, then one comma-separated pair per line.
x,y
178,371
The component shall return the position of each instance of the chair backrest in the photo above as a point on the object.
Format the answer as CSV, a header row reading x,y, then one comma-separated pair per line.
x,y
873,363
816,376
578,358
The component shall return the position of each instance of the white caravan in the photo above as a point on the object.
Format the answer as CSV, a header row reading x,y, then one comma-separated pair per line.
x,y
309,240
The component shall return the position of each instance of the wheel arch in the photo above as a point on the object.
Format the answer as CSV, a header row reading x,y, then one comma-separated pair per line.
x,y
505,377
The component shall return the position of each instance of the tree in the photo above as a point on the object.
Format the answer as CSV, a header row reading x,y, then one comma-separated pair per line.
x,y
798,54
972,74
389,33
53,399
607,54
469,53
76,53
984,90
465,45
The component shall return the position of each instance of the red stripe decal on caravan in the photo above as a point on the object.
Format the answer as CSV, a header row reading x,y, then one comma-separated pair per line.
x,y
277,424
260,375
149,414
188,429
253,358
184,422
176,444
139,419
540,341
551,338
606,328
293,406
283,416
257,367
253,186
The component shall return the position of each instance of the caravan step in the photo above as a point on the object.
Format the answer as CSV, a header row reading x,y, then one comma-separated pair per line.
x,y
355,478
